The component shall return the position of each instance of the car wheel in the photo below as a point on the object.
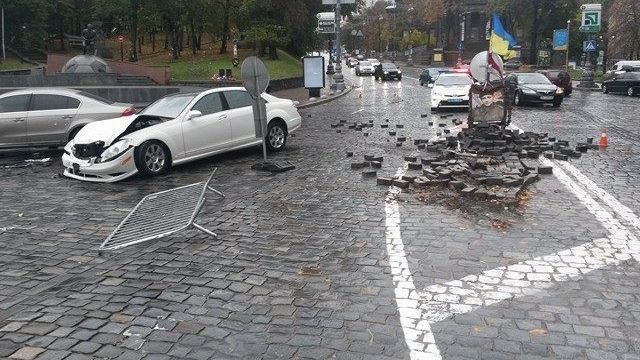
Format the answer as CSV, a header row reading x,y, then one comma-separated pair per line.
x,y
276,136
517,100
152,158
630,91
605,89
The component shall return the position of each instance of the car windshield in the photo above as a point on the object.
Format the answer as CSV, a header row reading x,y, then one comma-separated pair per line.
x,y
365,63
533,79
453,80
170,106
389,67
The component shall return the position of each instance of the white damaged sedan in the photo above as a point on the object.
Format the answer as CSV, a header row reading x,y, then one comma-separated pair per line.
x,y
174,130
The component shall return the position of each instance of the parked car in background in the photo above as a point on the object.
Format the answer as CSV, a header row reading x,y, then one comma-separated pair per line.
x,y
628,82
621,67
173,130
451,91
352,62
374,62
535,88
388,71
560,78
428,76
51,116
364,68
513,64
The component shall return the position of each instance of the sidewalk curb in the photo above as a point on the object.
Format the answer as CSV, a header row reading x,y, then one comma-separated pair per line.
x,y
325,100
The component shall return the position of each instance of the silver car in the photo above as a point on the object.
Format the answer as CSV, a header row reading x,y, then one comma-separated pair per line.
x,y
51,117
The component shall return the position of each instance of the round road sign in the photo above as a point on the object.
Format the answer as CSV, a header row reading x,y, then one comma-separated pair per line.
x,y
255,76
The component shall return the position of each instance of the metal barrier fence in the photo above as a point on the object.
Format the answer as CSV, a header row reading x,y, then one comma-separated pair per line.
x,y
161,214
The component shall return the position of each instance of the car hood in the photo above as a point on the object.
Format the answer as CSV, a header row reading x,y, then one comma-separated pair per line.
x,y
452,90
539,87
104,130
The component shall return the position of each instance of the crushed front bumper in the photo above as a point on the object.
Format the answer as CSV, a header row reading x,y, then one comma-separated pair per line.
x,y
115,170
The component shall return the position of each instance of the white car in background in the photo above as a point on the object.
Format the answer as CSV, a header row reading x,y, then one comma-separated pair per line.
x,y
374,62
364,68
451,91
174,130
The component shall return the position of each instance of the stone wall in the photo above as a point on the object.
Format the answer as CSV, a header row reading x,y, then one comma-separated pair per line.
x,y
159,74
274,85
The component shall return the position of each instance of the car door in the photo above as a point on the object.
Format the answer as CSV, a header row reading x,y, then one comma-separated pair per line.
x,y
209,132
49,118
13,120
240,112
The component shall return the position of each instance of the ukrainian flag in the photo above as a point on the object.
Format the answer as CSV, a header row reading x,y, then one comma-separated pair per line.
x,y
501,42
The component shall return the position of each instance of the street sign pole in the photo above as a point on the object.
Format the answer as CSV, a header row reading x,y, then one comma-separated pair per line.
x,y
338,79
591,23
4,57
566,62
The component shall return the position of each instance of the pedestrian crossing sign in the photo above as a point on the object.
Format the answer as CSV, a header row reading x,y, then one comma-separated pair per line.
x,y
589,46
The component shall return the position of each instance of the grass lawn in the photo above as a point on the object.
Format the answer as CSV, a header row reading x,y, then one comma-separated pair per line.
x,y
203,66
577,75
14,64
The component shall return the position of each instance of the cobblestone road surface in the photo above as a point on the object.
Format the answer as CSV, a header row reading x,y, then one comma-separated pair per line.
x,y
320,263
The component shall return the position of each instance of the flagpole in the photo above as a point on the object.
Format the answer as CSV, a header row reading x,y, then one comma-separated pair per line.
x,y
489,50
566,63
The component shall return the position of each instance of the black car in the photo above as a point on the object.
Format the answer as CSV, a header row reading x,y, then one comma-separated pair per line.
x,y
513,64
428,76
627,82
387,71
534,88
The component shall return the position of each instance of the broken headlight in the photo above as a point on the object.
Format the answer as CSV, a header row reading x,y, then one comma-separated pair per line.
x,y
115,150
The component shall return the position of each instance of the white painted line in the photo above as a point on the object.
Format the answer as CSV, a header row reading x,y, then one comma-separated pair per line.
x,y
532,277
357,111
419,310
623,211
419,339
409,77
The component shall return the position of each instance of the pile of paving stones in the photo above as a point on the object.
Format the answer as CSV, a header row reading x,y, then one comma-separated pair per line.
x,y
483,162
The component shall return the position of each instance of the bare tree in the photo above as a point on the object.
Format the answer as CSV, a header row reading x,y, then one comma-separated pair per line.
x,y
624,28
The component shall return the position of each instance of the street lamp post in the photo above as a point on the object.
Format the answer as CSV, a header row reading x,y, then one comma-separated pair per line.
x,y
566,63
410,59
338,79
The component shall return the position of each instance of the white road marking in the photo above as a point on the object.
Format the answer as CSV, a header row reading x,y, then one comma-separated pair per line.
x,y
419,339
409,77
620,209
357,111
419,309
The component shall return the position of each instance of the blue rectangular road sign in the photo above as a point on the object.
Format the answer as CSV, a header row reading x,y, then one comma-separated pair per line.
x,y
589,46
560,39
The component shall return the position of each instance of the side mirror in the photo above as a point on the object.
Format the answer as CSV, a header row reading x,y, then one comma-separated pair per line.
x,y
193,114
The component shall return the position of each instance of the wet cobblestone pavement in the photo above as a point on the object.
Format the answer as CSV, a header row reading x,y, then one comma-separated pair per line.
x,y
320,262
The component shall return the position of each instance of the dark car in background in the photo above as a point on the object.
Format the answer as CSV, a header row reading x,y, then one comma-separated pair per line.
x,y
513,64
388,71
428,76
535,88
560,78
626,82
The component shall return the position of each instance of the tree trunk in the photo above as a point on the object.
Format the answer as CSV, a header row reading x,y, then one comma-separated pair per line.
x,y
225,27
133,23
153,41
534,32
174,44
273,52
194,40
181,39
166,39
